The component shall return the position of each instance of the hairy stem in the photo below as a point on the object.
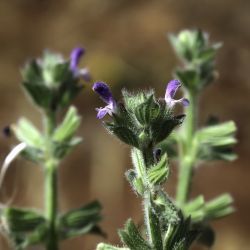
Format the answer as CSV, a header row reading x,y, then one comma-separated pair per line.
x,y
151,220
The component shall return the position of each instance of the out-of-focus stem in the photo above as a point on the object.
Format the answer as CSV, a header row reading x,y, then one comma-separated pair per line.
x,y
50,184
186,157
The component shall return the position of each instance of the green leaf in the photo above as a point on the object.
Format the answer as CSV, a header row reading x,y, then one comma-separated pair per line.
x,y
215,142
40,94
123,133
33,154
135,182
26,132
159,172
79,221
218,135
22,220
180,236
63,148
32,73
207,54
219,207
103,246
68,127
162,128
189,77
201,211
165,209
194,204
133,100
22,241
131,237
147,111
153,226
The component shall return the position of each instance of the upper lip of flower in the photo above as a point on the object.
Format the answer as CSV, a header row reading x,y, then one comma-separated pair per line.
x,y
75,57
171,90
105,94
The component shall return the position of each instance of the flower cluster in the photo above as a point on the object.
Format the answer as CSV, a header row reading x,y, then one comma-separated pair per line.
x,y
52,81
105,94
141,120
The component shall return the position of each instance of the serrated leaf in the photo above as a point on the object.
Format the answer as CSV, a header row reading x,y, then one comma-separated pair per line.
x,y
123,133
131,237
161,129
133,100
147,111
159,172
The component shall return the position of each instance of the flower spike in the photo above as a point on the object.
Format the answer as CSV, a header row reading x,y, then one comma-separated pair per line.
x,y
75,57
105,94
171,90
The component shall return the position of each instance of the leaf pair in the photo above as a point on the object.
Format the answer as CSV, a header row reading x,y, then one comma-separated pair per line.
x,y
28,227
63,137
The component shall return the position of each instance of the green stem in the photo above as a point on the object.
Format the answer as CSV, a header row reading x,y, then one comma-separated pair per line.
x,y
151,220
187,157
184,182
51,184
152,224
51,204
190,122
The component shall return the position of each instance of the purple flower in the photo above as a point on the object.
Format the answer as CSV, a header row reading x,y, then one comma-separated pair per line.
x,y
75,57
105,94
171,90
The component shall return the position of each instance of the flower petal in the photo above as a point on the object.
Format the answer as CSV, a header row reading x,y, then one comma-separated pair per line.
x,y
75,56
104,92
101,112
185,102
172,88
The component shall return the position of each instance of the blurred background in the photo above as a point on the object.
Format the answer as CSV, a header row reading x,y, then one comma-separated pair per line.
x,y
126,47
